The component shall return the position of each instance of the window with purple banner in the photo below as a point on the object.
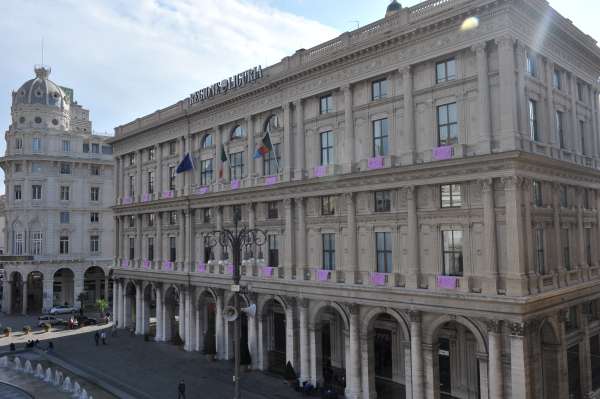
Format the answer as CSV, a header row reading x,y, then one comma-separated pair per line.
x,y
452,256
383,245
328,251
447,120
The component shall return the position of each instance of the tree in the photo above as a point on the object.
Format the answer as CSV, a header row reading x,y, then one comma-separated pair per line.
x,y
102,305
82,297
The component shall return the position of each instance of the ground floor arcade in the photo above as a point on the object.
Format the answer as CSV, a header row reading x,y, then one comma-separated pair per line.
x,y
379,352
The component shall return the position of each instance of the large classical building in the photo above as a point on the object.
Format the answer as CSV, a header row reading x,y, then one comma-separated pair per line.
x,y
58,225
431,206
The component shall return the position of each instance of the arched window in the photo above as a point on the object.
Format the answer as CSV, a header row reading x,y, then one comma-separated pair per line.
x,y
272,123
237,132
207,141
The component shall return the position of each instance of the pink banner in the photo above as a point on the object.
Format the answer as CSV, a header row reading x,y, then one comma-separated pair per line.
x,y
447,282
375,163
267,271
320,171
378,278
125,263
146,264
167,265
202,190
201,267
270,180
230,268
235,184
145,197
167,194
441,153
323,275
127,200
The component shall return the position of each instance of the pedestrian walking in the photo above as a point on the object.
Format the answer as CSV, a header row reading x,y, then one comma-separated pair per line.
x,y
181,390
103,336
97,338
114,330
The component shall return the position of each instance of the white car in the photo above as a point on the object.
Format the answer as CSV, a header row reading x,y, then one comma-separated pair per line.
x,y
48,319
62,309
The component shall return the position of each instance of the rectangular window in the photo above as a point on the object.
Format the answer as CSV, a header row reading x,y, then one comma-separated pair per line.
x,y
236,212
150,219
132,186
380,137
383,247
86,147
533,124
107,149
327,148
172,147
94,244
150,248
382,201
450,196
94,193
326,104
64,245
173,217
206,215
36,243
66,146
172,176
379,89
95,148
531,64
36,144
18,167
445,71
18,193
132,158
582,136
65,193
540,262
588,246
271,161
94,217
566,248
65,168
172,249
36,192
452,256
95,170
447,120
328,205
273,248
151,151
328,251
36,167
19,143
272,210
538,199
586,199
579,91
564,196
65,217
571,319
131,248
19,243
559,124
206,172
150,187
557,79
236,162
131,219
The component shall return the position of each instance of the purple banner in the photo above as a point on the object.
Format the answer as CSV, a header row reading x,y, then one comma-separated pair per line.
x,y
235,184
447,282
167,194
320,171
375,163
378,278
270,180
145,197
323,275
441,153
201,190
127,200
125,263
201,267
168,265
230,268
267,271
146,264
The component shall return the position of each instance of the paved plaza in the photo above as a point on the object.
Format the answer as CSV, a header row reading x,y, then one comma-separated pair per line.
x,y
152,370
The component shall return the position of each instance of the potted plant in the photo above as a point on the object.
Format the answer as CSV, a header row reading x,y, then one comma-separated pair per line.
x,y
27,330
209,348
289,374
46,327
7,331
102,305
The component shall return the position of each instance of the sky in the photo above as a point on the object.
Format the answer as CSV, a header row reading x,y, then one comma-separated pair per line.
x,y
128,58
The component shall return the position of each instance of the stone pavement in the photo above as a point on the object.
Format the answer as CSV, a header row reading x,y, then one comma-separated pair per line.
x,y
11,392
153,370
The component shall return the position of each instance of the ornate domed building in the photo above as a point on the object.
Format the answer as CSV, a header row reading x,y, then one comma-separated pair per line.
x,y
58,174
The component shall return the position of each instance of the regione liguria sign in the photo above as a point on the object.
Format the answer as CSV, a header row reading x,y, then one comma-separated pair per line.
x,y
236,81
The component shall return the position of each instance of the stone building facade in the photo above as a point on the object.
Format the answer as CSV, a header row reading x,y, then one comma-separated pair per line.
x,y
431,208
58,181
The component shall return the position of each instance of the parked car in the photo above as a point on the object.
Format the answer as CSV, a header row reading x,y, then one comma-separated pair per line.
x,y
62,309
86,321
48,319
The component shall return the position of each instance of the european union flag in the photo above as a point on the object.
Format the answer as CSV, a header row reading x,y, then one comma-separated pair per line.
x,y
185,164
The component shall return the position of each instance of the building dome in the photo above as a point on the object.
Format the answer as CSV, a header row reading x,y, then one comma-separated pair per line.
x,y
393,8
42,91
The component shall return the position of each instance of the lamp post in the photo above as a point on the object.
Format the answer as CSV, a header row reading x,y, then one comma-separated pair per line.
x,y
238,239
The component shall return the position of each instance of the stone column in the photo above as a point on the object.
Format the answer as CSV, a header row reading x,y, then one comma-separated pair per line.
x,y
299,142
354,385
304,344
24,301
123,181
290,338
122,321
139,177
550,117
595,122
159,171
523,123
558,261
409,130
253,337
138,240
219,149
219,326
313,353
520,367
495,375
115,309
181,241
190,320
106,282
116,179
352,264
138,306
516,282
218,248
251,148
301,263
490,284
416,352
574,145
116,240
287,141
506,55
288,260
483,89
182,311
180,186
158,244
585,360
190,236
348,128
48,294
77,288
159,313
414,267
581,258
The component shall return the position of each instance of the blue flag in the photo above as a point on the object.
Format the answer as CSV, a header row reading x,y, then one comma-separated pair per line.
x,y
185,164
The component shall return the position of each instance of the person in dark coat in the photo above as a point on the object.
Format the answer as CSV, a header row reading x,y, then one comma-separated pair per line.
x,y
97,338
181,390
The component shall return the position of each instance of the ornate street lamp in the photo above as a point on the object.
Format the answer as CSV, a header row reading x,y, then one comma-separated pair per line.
x,y
237,239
